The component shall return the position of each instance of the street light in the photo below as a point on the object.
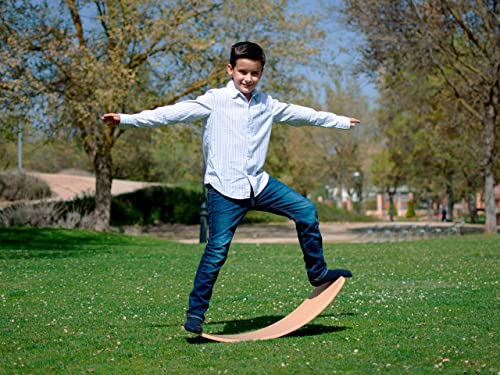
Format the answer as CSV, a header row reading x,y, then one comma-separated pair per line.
x,y
358,189
20,148
203,217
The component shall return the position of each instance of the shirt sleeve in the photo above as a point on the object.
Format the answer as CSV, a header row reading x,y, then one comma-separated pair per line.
x,y
297,115
186,111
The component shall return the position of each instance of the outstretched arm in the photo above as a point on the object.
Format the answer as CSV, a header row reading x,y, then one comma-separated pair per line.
x,y
182,112
297,115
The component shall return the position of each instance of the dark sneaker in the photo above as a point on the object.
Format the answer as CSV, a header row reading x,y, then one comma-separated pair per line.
x,y
193,325
331,276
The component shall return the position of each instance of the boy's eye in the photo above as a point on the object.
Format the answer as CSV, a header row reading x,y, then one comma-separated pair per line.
x,y
244,72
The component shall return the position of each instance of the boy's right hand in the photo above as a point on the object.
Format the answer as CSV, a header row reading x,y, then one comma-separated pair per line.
x,y
111,118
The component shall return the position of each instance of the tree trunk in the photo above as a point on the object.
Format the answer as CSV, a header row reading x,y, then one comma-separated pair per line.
x,y
430,213
489,161
391,205
451,203
489,195
102,167
471,198
339,194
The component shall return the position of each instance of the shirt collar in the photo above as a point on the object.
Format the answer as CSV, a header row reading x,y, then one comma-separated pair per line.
x,y
234,92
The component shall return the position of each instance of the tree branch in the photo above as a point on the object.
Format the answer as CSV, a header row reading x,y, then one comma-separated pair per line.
x,y
77,22
216,73
453,11
101,11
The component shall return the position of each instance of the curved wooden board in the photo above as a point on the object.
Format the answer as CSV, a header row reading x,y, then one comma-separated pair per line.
x,y
319,299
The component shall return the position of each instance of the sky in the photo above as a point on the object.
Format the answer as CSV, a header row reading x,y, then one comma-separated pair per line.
x,y
340,40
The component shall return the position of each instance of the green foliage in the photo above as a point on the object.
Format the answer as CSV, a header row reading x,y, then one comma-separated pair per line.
x,y
410,210
137,56
446,91
157,204
481,219
20,186
88,302
328,213
370,205
254,217
395,210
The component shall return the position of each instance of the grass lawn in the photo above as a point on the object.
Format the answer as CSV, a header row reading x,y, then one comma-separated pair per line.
x,y
82,302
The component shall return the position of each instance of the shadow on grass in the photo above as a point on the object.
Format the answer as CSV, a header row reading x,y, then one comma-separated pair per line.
x,y
246,325
24,243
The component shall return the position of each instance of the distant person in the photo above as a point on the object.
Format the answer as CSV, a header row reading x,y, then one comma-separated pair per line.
x,y
237,122
443,214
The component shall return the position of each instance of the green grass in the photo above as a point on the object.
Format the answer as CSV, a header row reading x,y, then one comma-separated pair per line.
x,y
82,302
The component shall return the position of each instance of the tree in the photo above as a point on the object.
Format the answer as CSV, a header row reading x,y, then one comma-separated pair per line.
x,y
71,61
440,151
316,157
457,39
386,175
389,167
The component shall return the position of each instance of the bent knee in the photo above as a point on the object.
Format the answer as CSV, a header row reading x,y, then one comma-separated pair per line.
x,y
308,213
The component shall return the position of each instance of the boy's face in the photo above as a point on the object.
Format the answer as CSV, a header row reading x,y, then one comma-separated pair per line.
x,y
246,74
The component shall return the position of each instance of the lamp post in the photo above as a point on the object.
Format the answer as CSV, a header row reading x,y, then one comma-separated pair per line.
x,y
203,217
20,148
358,189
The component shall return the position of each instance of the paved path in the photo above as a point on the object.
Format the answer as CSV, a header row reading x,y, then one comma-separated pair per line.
x,y
285,232
251,233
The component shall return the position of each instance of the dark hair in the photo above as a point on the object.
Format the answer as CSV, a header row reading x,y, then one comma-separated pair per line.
x,y
247,50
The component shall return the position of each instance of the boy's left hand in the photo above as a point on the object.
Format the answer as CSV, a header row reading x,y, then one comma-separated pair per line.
x,y
354,121
113,118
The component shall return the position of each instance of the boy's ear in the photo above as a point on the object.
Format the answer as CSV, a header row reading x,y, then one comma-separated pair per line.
x,y
229,69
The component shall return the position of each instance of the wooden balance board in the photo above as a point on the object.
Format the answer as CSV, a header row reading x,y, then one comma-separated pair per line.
x,y
319,299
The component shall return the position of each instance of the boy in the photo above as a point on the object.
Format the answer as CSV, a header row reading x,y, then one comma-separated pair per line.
x,y
236,132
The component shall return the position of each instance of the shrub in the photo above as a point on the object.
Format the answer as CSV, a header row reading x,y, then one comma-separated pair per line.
x,y
254,217
44,214
15,186
328,213
410,210
370,205
157,204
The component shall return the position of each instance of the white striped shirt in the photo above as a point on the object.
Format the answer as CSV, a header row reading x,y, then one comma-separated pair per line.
x,y
236,133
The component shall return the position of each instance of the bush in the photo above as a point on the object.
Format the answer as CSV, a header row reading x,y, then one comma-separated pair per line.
x,y
151,205
370,205
328,213
410,210
157,204
15,186
44,214
255,217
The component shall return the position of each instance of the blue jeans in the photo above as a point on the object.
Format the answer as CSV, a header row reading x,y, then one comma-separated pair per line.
x,y
224,216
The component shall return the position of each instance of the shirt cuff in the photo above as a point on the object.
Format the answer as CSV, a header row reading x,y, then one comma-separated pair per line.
x,y
344,122
126,121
